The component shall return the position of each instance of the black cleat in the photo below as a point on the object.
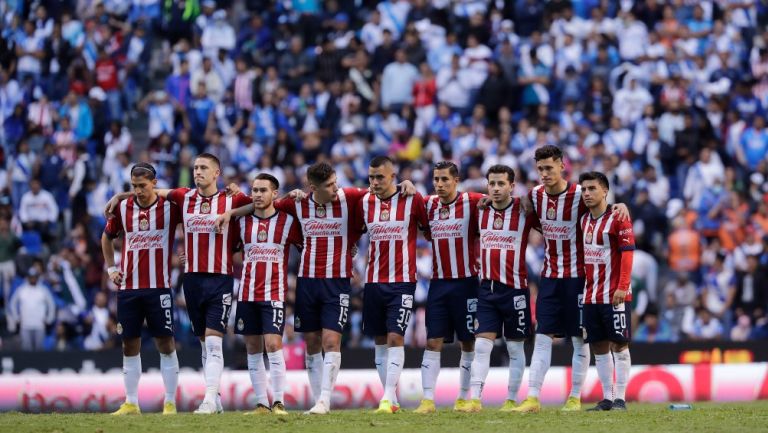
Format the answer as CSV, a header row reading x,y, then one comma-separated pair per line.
x,y
619,404
602,405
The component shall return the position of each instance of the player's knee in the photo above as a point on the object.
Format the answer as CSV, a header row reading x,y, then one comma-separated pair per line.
x,y
273,343
395,340
331,341
600,347
165,345
468,346
619,347
131,346
314,342
435,344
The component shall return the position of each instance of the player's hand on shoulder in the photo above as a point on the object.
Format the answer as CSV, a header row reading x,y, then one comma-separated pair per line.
x,y
232,189
297,195
222,221
483,203
621,211
526,204
407,188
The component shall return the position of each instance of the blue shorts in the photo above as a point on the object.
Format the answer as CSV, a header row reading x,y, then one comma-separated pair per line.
x,y
387,308
259,318
604,322
209,301
559,305
153,305
322,303
503,308
451,308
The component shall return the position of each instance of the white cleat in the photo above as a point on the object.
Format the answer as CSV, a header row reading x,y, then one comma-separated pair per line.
x,y
319,409
207,408
219,407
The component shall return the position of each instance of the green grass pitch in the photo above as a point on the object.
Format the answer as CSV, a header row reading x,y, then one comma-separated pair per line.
x,y
641,418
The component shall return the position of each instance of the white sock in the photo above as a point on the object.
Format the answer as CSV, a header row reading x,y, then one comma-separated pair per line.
x,y
258,374
604,364
579,365
314,365
465,366
542,357
277,374
169,368
214,365
380,359
131,375
430,368
395,359
331,366
623,363
516,351
203,354
480,366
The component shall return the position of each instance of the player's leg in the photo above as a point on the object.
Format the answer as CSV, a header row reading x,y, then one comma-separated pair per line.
x,y
597,337
487,326
248,324
273,323
463,313
398,304
622,333
437,318
573,301
518,326
130,319
374,326
159,318
192,285
217,304
307,321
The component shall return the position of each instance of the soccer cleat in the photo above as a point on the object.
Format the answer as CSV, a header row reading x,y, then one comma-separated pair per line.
x,y
278,408
169,408
508,406
601,406
260,410
207,408
219,407
318,409
573,404
471,406
426,406
460,404
386,407
619,404
128,409
529,405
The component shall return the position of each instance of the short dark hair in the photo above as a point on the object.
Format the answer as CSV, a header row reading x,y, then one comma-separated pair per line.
x,y
378,161
548,151
210,157
145,170
319,172
272,179
450,166
595,175
501,168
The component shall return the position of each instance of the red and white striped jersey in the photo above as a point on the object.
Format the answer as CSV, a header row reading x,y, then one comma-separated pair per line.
x,y
559,217
605,238
206,250
454,233
503,242
148,247
266,244
392,225
330,231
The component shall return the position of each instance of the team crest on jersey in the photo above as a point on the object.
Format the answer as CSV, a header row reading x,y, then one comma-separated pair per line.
x,y
143,224
205,207
240,324
320,211
384,215
551,213
297,322
262,236
444,213
498,223
588,237
119,328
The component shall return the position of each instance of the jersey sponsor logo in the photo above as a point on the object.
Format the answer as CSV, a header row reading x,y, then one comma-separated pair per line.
x,y
472,305
264,253
625,232
327,228
200,224
277,304
497,241
595,255
344,300
165,300
558,230
447,230
145,240
205,207
240,324
320,211
407,301
391,231
384,216
226,299
519,302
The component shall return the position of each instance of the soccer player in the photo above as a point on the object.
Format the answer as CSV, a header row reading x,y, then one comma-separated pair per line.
x,y
392,222
503,306
452,296
208,280
608,249
557,204
148,223
266,235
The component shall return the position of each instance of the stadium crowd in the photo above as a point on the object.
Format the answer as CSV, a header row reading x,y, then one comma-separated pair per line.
x,y
668,98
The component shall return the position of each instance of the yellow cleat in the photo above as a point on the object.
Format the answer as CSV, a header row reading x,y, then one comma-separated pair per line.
x,y
573,404
386,407
529,405
471,406
128,409
426,406
278,408
508,406
460,404
260,410
169,408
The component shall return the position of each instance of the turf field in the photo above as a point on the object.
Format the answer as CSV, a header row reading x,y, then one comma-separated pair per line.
x,y
646,418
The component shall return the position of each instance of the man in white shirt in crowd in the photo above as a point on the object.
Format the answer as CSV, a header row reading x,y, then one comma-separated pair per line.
x,y
397,82
32,309
38,210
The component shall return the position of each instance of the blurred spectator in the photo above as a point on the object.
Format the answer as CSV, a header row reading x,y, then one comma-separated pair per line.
x,y
31,309
703,327
653,329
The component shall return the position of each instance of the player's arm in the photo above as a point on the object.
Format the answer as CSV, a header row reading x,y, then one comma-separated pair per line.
x,y
626,242
111,231
224,219
420,215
